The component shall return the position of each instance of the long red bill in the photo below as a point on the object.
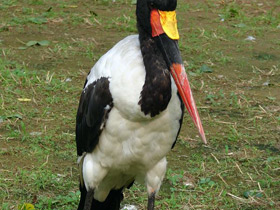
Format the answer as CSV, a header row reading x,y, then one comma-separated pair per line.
x,y
180,77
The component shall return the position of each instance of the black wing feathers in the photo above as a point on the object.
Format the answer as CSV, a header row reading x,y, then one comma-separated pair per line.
x,y
95,104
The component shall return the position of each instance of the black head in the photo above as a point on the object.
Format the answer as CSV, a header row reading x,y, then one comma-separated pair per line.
x,y
143,12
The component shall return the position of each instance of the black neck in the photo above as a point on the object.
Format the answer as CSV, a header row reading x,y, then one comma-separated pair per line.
x,y
156,92
143,11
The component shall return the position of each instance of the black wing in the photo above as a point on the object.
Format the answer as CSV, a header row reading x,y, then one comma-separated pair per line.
x,y
95,104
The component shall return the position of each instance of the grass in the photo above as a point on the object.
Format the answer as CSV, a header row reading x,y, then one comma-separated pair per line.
x,y
235,83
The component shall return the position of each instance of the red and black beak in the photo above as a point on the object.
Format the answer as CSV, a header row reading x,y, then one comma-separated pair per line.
x,y
166,39
180,77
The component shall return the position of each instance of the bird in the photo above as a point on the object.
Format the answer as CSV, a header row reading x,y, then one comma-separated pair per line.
x,y
131,110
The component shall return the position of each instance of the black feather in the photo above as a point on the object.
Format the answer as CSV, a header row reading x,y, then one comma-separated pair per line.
x,y
163,5
156,92
92,114
112,201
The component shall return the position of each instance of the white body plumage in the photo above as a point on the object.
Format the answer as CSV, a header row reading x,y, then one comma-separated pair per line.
x,y
132,145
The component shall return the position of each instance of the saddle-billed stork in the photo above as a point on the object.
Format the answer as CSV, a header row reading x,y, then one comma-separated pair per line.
x,y
131,110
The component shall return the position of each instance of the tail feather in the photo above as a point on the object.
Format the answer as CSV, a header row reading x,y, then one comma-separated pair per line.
x,y
112,201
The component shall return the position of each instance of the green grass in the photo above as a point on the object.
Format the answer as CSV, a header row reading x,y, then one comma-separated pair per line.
x,y
235,83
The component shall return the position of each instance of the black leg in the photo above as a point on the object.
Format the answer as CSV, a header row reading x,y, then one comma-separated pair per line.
x,y
83,197
89,199
151,201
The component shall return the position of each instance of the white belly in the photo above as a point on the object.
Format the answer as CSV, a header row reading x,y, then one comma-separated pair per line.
x,y
124,142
